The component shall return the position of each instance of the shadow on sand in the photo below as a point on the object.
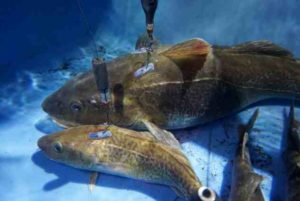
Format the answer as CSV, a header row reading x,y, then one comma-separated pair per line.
x,y
67,174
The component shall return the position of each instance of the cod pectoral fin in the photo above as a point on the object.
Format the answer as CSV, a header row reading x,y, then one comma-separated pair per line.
x,y
161,135
187,49
93,180
190,57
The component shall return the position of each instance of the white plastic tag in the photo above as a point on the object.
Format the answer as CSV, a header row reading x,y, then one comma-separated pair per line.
x,y
100,135
143,70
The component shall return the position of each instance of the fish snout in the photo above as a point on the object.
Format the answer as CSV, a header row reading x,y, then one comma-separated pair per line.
x,y
46,105
50,105
43,143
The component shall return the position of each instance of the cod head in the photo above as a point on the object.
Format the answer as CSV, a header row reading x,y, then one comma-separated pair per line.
x,y
77,102
71,146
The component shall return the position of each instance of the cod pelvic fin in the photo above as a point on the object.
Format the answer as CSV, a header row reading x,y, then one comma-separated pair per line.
x,y
185,50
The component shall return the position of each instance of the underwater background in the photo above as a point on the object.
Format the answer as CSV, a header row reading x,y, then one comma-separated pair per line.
x,y
44,43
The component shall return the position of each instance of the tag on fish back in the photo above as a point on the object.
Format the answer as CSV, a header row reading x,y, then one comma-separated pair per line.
x,y
143,70
194,47
100,135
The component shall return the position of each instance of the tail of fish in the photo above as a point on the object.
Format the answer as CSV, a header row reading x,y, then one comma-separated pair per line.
x,y
244,135
245,183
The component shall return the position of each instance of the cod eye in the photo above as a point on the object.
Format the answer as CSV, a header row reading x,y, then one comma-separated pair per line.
x,y
76,106
57,146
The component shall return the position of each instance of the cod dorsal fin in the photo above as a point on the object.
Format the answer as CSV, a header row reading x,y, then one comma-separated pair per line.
x,y
261,47
190,48
161,135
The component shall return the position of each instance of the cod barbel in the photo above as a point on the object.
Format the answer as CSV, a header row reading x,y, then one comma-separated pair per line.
x,y
192,83
245,182
293,158
153,157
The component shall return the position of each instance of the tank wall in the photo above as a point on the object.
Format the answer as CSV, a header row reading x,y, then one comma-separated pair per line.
x,y
38,35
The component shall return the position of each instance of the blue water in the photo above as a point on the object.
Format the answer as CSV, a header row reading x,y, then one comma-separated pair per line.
x,y
44,43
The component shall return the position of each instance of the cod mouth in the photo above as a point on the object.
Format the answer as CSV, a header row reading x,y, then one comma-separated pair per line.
x,y
64,123
135,124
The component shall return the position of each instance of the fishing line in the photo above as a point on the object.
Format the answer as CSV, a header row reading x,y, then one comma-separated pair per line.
x,y
87,26
91,34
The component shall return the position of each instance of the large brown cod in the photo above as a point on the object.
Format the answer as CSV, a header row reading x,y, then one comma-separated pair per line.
x,y
192,83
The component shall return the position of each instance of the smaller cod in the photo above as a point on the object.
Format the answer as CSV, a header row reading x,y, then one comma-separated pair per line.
x,y
154,156
293,158
245,182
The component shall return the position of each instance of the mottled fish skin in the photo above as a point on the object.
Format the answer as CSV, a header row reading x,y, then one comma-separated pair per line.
x,y
193,83
245,182
126,153
293,158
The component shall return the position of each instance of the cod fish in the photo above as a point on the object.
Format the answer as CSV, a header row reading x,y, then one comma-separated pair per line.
x,y
245,182
153,156
293,158
185,85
